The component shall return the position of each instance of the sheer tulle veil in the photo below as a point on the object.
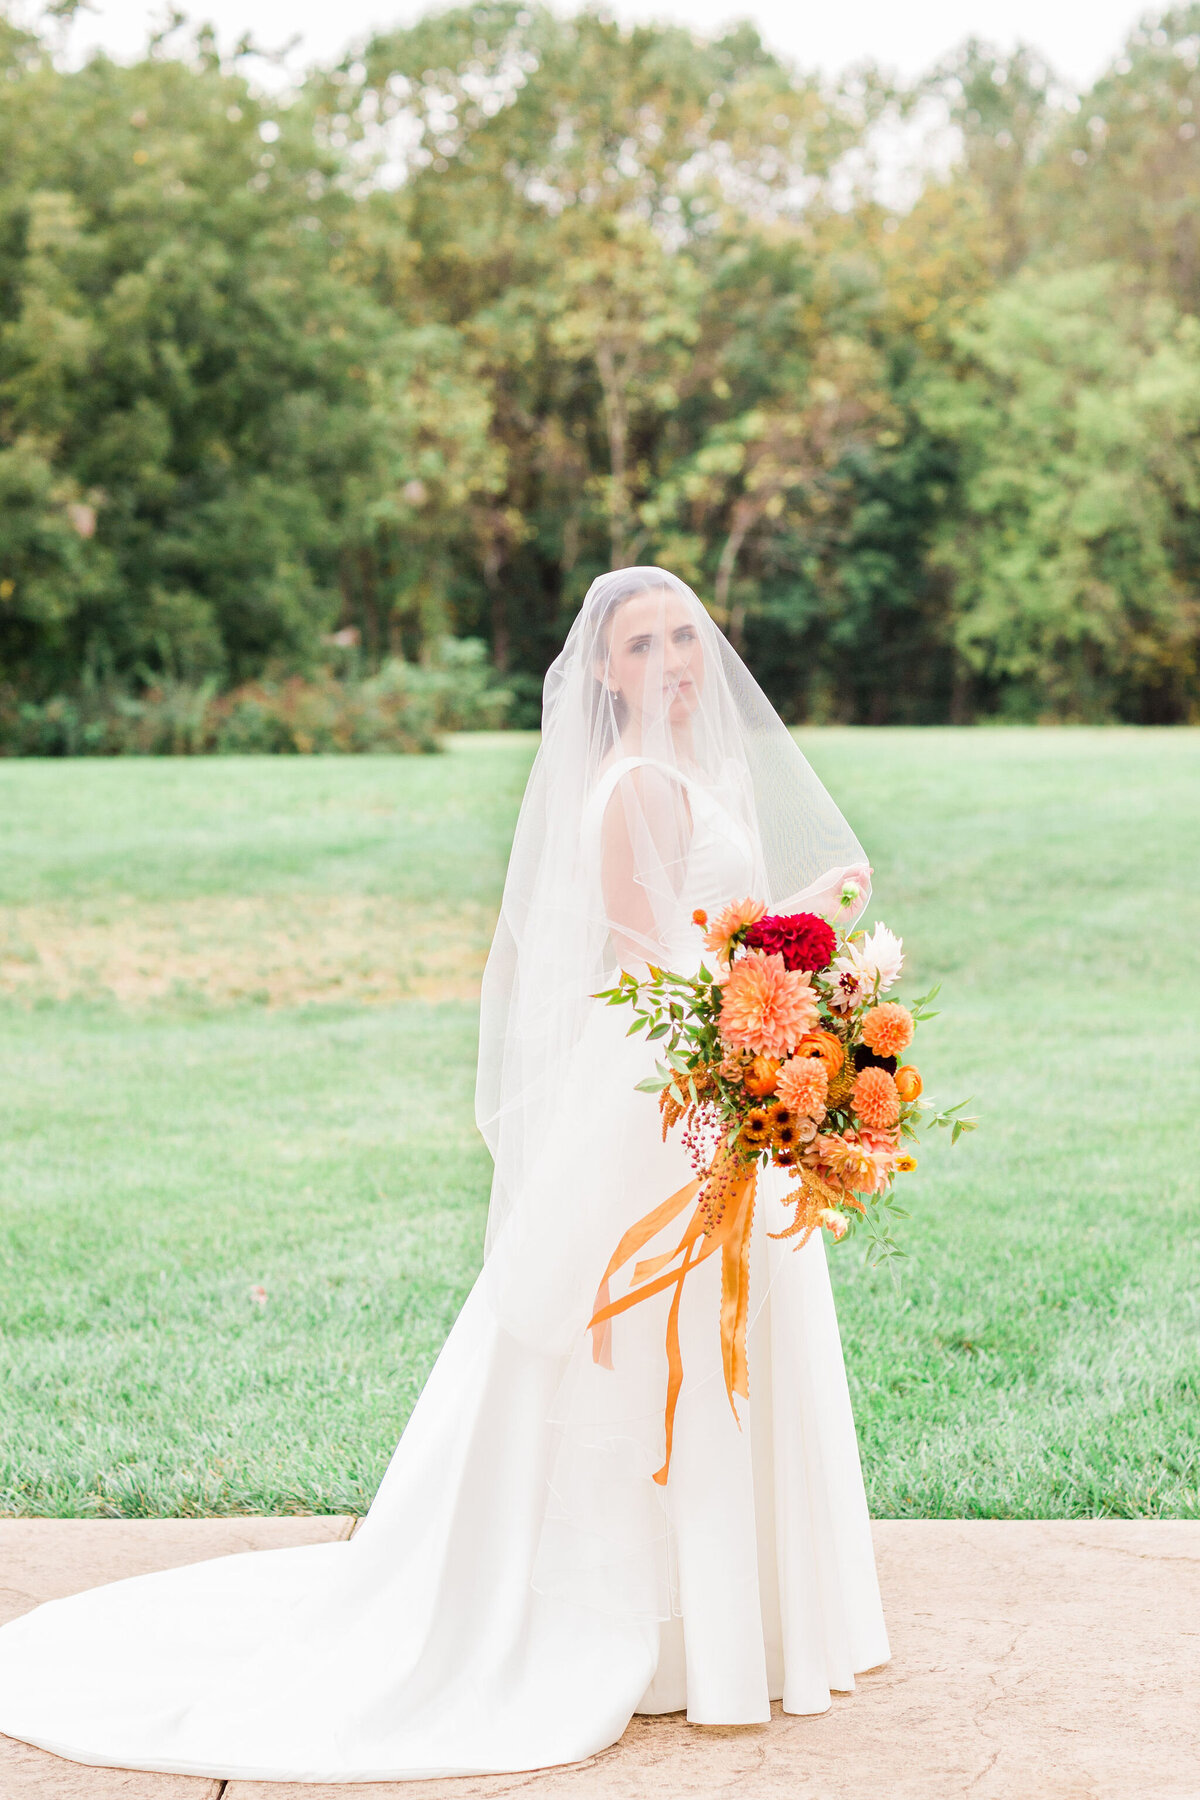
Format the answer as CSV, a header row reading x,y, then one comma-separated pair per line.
x,y
664,776
557,938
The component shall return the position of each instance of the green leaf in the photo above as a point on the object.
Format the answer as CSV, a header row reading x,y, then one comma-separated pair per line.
x,y
651,1085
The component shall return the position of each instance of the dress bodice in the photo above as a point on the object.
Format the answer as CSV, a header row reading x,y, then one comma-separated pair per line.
x,y
722,864
723,860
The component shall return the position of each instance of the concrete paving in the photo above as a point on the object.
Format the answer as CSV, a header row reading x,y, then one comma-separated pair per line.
x,y
1031,1661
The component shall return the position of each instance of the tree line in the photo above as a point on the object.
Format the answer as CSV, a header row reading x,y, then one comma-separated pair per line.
x,y
419,346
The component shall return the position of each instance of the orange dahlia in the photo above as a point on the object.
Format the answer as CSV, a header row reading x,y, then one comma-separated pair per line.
x,y
765,1007
845,1162
735,917
887,1029
804,1086
875,1099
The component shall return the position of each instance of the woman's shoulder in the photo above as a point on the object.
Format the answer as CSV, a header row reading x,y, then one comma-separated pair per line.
x,y
619,764
639,774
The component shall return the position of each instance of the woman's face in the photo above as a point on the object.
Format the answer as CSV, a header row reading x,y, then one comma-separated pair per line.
x,y
655,659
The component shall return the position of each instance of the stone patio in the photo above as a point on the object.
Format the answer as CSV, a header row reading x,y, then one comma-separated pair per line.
x,y
1031,1661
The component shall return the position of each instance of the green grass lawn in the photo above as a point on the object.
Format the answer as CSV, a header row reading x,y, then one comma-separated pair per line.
x,y
227,1061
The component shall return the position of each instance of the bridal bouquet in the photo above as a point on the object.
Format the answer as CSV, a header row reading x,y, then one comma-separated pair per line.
x,y
785,1053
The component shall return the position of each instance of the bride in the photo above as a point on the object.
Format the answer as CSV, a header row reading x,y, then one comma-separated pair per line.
x,y
522,1585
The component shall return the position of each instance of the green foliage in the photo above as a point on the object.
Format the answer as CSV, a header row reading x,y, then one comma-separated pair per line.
x,y
423,344
1120,180
201,421
1076,409
402,707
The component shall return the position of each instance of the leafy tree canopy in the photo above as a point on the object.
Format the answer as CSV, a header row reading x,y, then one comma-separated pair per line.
x,y
507,298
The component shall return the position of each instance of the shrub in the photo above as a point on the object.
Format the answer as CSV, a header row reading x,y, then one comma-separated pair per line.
x,y
403,707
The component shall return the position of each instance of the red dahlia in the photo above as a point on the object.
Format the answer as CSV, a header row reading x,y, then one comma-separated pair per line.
x,y
802,939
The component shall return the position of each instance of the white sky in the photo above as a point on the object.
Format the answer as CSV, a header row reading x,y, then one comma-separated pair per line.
x,y
1077,37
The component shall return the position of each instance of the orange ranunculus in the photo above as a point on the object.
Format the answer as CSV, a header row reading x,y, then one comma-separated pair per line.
x,y
825,1045
700,917
761,1077
908,1082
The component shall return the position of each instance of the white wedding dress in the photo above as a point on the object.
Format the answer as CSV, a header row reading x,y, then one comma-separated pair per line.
x,y
520,1587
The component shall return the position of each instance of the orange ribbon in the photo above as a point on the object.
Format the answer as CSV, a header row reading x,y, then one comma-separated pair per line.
x,y
731,1236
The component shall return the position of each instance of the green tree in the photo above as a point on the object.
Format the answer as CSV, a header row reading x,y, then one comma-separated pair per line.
x,y
1073,545
587,204
184,367
1121,179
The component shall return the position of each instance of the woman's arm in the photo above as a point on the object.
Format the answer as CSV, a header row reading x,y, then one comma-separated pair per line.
x,y
645,836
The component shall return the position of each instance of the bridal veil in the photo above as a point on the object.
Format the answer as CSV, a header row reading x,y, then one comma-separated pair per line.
x,y
553,944
665,782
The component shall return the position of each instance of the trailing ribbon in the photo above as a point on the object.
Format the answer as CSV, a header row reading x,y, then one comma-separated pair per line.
x,y
736,1184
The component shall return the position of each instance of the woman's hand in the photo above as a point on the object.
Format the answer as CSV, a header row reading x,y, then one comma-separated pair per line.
x,y
831,895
